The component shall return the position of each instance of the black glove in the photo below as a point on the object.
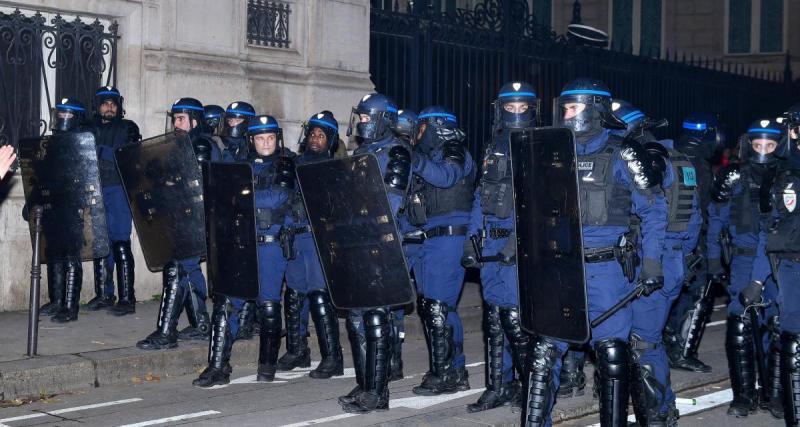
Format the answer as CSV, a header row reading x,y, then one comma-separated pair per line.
x,y
508,255
470,256
651,285
286,237
751,294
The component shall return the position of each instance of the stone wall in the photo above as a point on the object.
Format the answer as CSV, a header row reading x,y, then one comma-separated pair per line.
x,y
174,48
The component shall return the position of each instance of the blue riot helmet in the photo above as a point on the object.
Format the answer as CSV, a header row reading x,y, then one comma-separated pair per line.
x,y
68,115
628,114
406,122
584,106
105,94
373,118
436,124
327,124
212,119
516,106
237,116
764,138
185,115
702,135
258,125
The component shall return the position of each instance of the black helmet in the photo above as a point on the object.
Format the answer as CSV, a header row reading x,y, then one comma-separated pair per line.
x,y
108,93
702,135
68,115
189,106
516,92
596,114
325,122
212,118
237,110
762,130
406,123
382,113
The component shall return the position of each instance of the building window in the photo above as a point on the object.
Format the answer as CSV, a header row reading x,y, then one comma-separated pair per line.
x,y
635,26
755,26
268,23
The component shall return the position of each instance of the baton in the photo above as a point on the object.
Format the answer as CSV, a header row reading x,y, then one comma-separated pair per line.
x,y
759,343
479,252
618,306
36,276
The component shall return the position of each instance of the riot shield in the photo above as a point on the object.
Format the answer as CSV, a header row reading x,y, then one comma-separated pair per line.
x,y
552,287
231,229
355,233
60,173
164,187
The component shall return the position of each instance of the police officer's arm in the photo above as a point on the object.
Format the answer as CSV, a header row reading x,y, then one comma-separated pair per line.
x,y
397,176
445,168
761,268
650,205
719,214
475,214
134,135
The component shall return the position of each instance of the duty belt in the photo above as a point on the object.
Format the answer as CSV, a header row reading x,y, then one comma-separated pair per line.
x,y
499,233
599,254
302,229
419,236
743,252
267,238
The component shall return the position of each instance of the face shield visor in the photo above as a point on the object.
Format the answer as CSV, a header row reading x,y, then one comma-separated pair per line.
x,y
368,125
63,119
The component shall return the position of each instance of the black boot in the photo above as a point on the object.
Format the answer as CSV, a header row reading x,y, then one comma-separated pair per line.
x,y
741,365
613,356
442,377
572,379
73,274
497,392
375,394
684,356
422,307
172,298
102,274
55,288
358,346
772,383
199,324
269,318
297,355
326,324
247,319
396,362
123,258
520,343
647,393
219,368
790,378
540,386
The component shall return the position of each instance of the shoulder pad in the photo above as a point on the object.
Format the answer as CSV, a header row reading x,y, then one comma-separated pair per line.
x,y
202,149
724,182
646,169
398,169
133,131
284,172
454,150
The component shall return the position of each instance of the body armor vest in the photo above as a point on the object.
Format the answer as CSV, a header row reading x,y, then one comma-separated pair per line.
x,y
603,200
262,181
783,237
744,205
497,189
681,193
441,201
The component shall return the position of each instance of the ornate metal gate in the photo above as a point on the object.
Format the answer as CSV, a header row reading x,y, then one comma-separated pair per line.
x,y
41,62
459,58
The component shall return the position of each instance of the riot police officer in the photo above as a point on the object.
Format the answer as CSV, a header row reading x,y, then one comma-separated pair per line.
x,y
372,122
406,122
701,138
212,119
233,130
273,195
112,131
65,276
304,278
616,179
437,210
183,281
492,218
740,211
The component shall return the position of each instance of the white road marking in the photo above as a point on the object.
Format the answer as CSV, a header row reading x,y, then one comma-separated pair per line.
x,y
472,365
68,410
708,401
718,322
320,420
720,307
171,419
282,377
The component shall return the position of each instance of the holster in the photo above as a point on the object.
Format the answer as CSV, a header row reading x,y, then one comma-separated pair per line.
x,y
415,209
693,262
287,242
726,246
627,257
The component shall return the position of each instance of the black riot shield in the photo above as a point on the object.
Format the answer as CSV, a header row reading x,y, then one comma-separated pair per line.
x,y
552,287
165,191
60,173
231,229
355,233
